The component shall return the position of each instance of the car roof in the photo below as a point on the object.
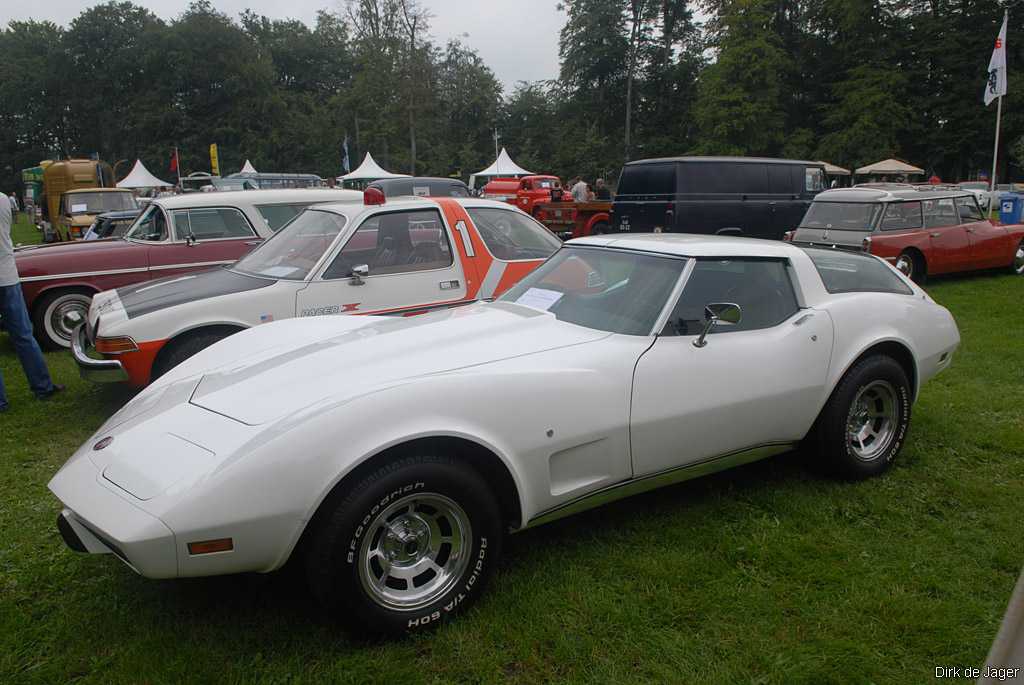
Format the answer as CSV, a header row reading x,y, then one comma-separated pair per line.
x,y
893,193
250,197
97,190
414,202
751,160
691,245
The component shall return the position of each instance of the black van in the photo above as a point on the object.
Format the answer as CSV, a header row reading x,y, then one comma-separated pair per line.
x,y
751,196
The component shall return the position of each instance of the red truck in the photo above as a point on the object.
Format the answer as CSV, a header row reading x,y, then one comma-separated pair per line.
x,y
544,198
526,192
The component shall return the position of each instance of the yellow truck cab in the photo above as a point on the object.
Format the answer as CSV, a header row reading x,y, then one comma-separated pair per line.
x,y
70,210
79,208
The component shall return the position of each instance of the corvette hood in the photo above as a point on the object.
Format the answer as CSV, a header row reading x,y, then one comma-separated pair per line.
x,y
265,385
80,257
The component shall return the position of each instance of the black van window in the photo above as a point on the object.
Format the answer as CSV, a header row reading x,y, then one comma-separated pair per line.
x,y
780,179
648,179
709,178
750,178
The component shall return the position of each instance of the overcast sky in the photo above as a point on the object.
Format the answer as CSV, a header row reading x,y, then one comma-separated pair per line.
x,y
518,39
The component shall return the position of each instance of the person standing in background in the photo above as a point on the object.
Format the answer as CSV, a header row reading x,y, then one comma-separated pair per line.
x,y
15,208
16,318
579,190
601,191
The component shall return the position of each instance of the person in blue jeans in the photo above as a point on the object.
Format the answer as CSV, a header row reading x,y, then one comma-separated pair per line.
x,y
15,317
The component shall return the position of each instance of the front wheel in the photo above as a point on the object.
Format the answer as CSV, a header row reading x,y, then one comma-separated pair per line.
x,y
52,329
864,424
1018,260
600,228
408,547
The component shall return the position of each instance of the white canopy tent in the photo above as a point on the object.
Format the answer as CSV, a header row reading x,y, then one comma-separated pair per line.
x,y
248,168
833,170
139,177
889,167
503,166
369,170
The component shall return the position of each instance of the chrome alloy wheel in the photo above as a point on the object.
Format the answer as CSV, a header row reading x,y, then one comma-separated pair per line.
x,y
58,323
905,263
1018,259
414,551
872,422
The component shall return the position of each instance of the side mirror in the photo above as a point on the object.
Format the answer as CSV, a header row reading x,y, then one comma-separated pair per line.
x,y
359,272
190,240
718,313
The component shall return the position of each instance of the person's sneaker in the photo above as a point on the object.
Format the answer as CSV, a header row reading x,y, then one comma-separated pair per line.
x,y
51,392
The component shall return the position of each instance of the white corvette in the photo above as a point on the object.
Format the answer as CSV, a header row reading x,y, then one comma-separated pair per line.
x,y
392,455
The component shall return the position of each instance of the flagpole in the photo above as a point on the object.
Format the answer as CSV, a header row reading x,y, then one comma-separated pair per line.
x,y
995,150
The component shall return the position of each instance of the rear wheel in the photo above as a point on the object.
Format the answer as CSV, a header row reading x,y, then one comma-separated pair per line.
x,y
407,547
1018,260
48,317
864,424
912,265
180,349
600,228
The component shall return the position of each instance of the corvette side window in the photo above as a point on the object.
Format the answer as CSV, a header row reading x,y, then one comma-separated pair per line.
x,y
761,287
396,242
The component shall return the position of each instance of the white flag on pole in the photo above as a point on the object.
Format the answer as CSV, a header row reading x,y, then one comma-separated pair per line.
x,y
996,86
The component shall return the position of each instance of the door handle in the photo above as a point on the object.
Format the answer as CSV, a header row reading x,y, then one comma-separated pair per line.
x,y
970,230
253,242
803,319
934,235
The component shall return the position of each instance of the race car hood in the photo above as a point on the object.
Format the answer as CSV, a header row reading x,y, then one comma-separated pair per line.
x,y
80,257
266,383
146,297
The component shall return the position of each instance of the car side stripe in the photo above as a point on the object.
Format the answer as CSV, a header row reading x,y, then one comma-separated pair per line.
x,y
114,272
492,279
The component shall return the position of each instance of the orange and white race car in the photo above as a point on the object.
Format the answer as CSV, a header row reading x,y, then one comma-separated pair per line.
x,y
400,256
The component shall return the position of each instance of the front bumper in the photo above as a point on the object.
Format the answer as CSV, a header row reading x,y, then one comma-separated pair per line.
x,y
96,370
98,520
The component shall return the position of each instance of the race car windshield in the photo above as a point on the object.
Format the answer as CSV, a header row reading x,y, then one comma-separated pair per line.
x,y
607,290
293,252
842,216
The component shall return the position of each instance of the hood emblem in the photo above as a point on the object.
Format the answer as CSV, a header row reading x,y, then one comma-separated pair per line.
x,y
103,443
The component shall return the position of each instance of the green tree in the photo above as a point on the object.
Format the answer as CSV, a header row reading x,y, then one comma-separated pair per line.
x,y
739,108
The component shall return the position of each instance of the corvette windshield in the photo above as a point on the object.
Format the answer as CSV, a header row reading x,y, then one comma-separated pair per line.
x,y
294,250
608,290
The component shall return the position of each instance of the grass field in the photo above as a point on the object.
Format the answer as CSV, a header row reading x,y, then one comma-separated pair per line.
x,y
765,574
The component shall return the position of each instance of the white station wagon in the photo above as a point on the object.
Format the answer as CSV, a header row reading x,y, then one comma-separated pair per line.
x,y
394,454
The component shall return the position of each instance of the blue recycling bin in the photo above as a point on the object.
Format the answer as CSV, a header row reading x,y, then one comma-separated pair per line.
x,y
1010,206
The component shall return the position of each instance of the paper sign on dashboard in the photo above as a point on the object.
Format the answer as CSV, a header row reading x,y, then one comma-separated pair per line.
x,y
540,298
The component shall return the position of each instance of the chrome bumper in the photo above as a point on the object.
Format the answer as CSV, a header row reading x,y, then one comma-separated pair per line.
x,y
97,370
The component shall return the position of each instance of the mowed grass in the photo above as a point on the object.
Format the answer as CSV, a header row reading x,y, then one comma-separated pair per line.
x,y
765,574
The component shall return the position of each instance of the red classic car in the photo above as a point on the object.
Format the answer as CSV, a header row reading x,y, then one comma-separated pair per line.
x,y
173,235
526,192
921,231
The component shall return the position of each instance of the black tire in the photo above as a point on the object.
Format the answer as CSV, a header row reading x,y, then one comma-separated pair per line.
x,y
918,268
830,443
1017,265
188,345
349,530
48,312
600,228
